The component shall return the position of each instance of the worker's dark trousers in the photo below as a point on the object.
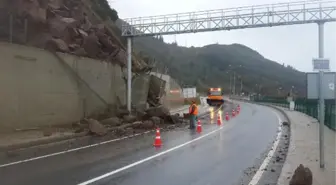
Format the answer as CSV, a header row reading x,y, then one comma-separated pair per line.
x,y
193,121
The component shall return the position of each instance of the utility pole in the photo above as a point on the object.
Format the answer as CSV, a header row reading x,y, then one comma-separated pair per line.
x,y
234,83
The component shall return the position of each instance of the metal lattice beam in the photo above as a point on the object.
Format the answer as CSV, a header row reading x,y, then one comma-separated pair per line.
x,y
233,18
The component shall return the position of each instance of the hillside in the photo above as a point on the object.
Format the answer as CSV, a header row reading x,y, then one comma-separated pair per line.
x,y
208,66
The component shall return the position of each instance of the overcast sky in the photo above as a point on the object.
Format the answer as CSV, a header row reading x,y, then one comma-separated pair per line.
x,y
294,45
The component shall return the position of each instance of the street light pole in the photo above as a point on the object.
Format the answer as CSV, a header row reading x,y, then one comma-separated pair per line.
x,y
234,83
241,85
321,98
230,85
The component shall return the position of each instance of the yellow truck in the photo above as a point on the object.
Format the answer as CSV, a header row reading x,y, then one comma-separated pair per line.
x,y
215,97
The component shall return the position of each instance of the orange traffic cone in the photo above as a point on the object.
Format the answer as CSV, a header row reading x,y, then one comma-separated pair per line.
x,y
157,141
157,132
227,118
219,121
233,113
199,127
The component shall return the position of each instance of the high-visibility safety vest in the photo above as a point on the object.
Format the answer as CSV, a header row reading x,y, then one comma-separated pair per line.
x,y
195,110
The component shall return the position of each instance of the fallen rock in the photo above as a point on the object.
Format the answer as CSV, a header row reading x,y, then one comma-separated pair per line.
x,y
106,42
302,176
32,9
156,120
47,132
55,4
91,45
186,115
120,132
113,121
129,118
125,128
176,119
122,112
285,123
79,130
57,45
159,111
97,128
141,115
147,124
80,52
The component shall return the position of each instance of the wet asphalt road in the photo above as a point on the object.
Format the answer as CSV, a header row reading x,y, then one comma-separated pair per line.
x,y
218,158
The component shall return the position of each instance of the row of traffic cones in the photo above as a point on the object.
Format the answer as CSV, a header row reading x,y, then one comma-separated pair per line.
x,y
236,112
158,141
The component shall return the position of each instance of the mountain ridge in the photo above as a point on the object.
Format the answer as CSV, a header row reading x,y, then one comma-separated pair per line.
x,y
210,65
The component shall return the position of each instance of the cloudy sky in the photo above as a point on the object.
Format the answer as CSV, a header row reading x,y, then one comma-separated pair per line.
x,y
294,45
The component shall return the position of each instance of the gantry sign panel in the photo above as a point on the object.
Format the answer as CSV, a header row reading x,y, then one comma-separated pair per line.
x,y
233,18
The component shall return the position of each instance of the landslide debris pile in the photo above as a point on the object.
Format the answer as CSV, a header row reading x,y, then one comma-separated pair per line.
x,y
125,124
67,26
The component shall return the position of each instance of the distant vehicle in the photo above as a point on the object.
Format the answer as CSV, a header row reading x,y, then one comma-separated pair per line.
x,y
215,97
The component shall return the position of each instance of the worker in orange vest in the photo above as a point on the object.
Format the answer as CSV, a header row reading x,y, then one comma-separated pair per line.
x,y
193,111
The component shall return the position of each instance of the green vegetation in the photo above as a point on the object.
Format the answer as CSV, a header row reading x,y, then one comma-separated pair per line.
x,y
102,8
212,65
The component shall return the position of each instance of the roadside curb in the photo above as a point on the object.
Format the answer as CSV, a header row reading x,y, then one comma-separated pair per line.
x,y
290,142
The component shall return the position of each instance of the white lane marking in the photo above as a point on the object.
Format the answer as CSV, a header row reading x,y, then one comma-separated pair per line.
x,y
269,156
146,159
71,150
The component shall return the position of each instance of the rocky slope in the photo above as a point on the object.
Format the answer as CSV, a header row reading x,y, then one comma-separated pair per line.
x,y
69,26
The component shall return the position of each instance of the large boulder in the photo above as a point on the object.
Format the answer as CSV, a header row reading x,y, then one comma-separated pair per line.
x,y
147,124
91,45
129,118
55,4
113,121
156,120
176,119
106,42
32,9
302,176
97,128
57,45
160,111
121,112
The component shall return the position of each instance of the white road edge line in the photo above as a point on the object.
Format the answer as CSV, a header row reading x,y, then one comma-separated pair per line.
x,y
269,156
70,150
146,159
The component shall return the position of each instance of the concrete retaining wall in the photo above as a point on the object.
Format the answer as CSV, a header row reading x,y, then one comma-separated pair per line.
x,y
37,90
171,100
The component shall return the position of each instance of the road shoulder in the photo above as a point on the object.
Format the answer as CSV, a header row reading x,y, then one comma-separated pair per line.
x,y
304,149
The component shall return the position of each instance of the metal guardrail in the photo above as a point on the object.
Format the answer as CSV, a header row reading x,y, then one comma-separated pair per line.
x,y
309,107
